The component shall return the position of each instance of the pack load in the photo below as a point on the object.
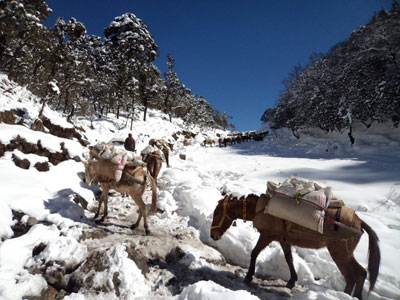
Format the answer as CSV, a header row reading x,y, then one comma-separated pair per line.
x,y
119,157
300,201
150,150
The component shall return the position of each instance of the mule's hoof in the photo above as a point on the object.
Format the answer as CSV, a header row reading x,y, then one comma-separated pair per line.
x,y
134,226
147,232
99,221
248,279
290,285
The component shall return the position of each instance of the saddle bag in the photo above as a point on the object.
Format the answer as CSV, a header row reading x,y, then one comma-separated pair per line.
x,y
297,211
300,201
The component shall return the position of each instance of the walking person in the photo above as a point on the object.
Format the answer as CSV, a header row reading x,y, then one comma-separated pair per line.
x,y
130,143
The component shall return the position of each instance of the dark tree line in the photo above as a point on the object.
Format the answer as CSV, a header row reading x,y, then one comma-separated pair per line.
x,y
80,74
358,80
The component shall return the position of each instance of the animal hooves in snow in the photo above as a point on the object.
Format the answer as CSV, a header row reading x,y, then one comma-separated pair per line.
x,y
290,285
248,279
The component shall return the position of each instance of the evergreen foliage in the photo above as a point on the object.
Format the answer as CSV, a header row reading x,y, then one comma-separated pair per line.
x,y
87,75
358,80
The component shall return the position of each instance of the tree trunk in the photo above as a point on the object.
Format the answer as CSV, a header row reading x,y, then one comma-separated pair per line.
x,y
295,133
11,73
145,112
66,101
71,114
350,134
166,102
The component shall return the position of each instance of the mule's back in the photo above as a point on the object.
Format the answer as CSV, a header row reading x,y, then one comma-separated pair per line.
x,y
104,171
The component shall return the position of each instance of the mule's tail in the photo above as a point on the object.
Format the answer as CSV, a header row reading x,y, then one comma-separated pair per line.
x,y
374,255
153,193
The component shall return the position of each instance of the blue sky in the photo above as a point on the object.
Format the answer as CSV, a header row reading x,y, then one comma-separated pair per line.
x,y
234,53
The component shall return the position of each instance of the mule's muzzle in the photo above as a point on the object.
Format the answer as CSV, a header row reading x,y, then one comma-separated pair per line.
x,y
215,234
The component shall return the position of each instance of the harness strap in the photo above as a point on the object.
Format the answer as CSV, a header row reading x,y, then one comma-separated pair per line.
x,y
244,209
337,218
135,180
224,215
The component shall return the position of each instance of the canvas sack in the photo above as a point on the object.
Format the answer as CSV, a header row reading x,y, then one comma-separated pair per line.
x,y
300,201
299,212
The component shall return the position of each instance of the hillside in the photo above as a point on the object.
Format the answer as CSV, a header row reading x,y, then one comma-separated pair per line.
x,y
356,81
50,246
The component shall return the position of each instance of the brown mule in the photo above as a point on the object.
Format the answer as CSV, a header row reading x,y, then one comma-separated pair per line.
x,y
163,146
133,182
340,245
154,163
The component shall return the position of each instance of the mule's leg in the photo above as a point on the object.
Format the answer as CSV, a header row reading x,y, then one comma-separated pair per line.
x,y
360,274
156,171
289,259
353,273
142,212
103,197
263,242
136,224
167,158
98,207
146,227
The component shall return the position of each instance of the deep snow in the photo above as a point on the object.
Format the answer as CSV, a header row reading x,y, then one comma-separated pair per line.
x,y
365,176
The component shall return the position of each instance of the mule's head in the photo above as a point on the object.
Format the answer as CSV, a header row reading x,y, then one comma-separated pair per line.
x,y
89,173
221,220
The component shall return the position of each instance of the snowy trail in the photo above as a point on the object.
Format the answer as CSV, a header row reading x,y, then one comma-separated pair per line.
x,y
49,244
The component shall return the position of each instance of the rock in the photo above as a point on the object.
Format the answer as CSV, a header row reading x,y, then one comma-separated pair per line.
x,y
37,125
116,283
10,116
42,166
47,294
32,221
140,260
38,249
22,163
80,200
182,156
96,234
175,255
2,149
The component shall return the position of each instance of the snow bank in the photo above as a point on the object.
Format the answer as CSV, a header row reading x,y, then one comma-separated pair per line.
x,y
210,290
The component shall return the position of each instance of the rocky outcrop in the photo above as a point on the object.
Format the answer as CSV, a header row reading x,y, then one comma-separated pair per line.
x,y
37,125
28,148
42,166
14,116
68,133
2,149
22,163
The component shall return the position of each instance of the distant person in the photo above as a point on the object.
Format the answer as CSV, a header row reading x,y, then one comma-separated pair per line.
x,y
130,143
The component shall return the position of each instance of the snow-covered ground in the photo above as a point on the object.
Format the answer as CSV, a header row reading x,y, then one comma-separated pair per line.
x,y
103,261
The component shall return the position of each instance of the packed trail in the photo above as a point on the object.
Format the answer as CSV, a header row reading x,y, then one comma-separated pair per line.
x,y
53,247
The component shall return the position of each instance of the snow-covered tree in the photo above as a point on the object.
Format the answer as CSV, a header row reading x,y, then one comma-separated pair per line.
x,y
358,80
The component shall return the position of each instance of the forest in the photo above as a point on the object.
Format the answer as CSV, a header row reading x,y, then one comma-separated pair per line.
x,y
357,81
87,75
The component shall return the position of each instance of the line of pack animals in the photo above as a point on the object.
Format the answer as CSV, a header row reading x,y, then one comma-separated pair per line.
x,y
297,212
235,138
